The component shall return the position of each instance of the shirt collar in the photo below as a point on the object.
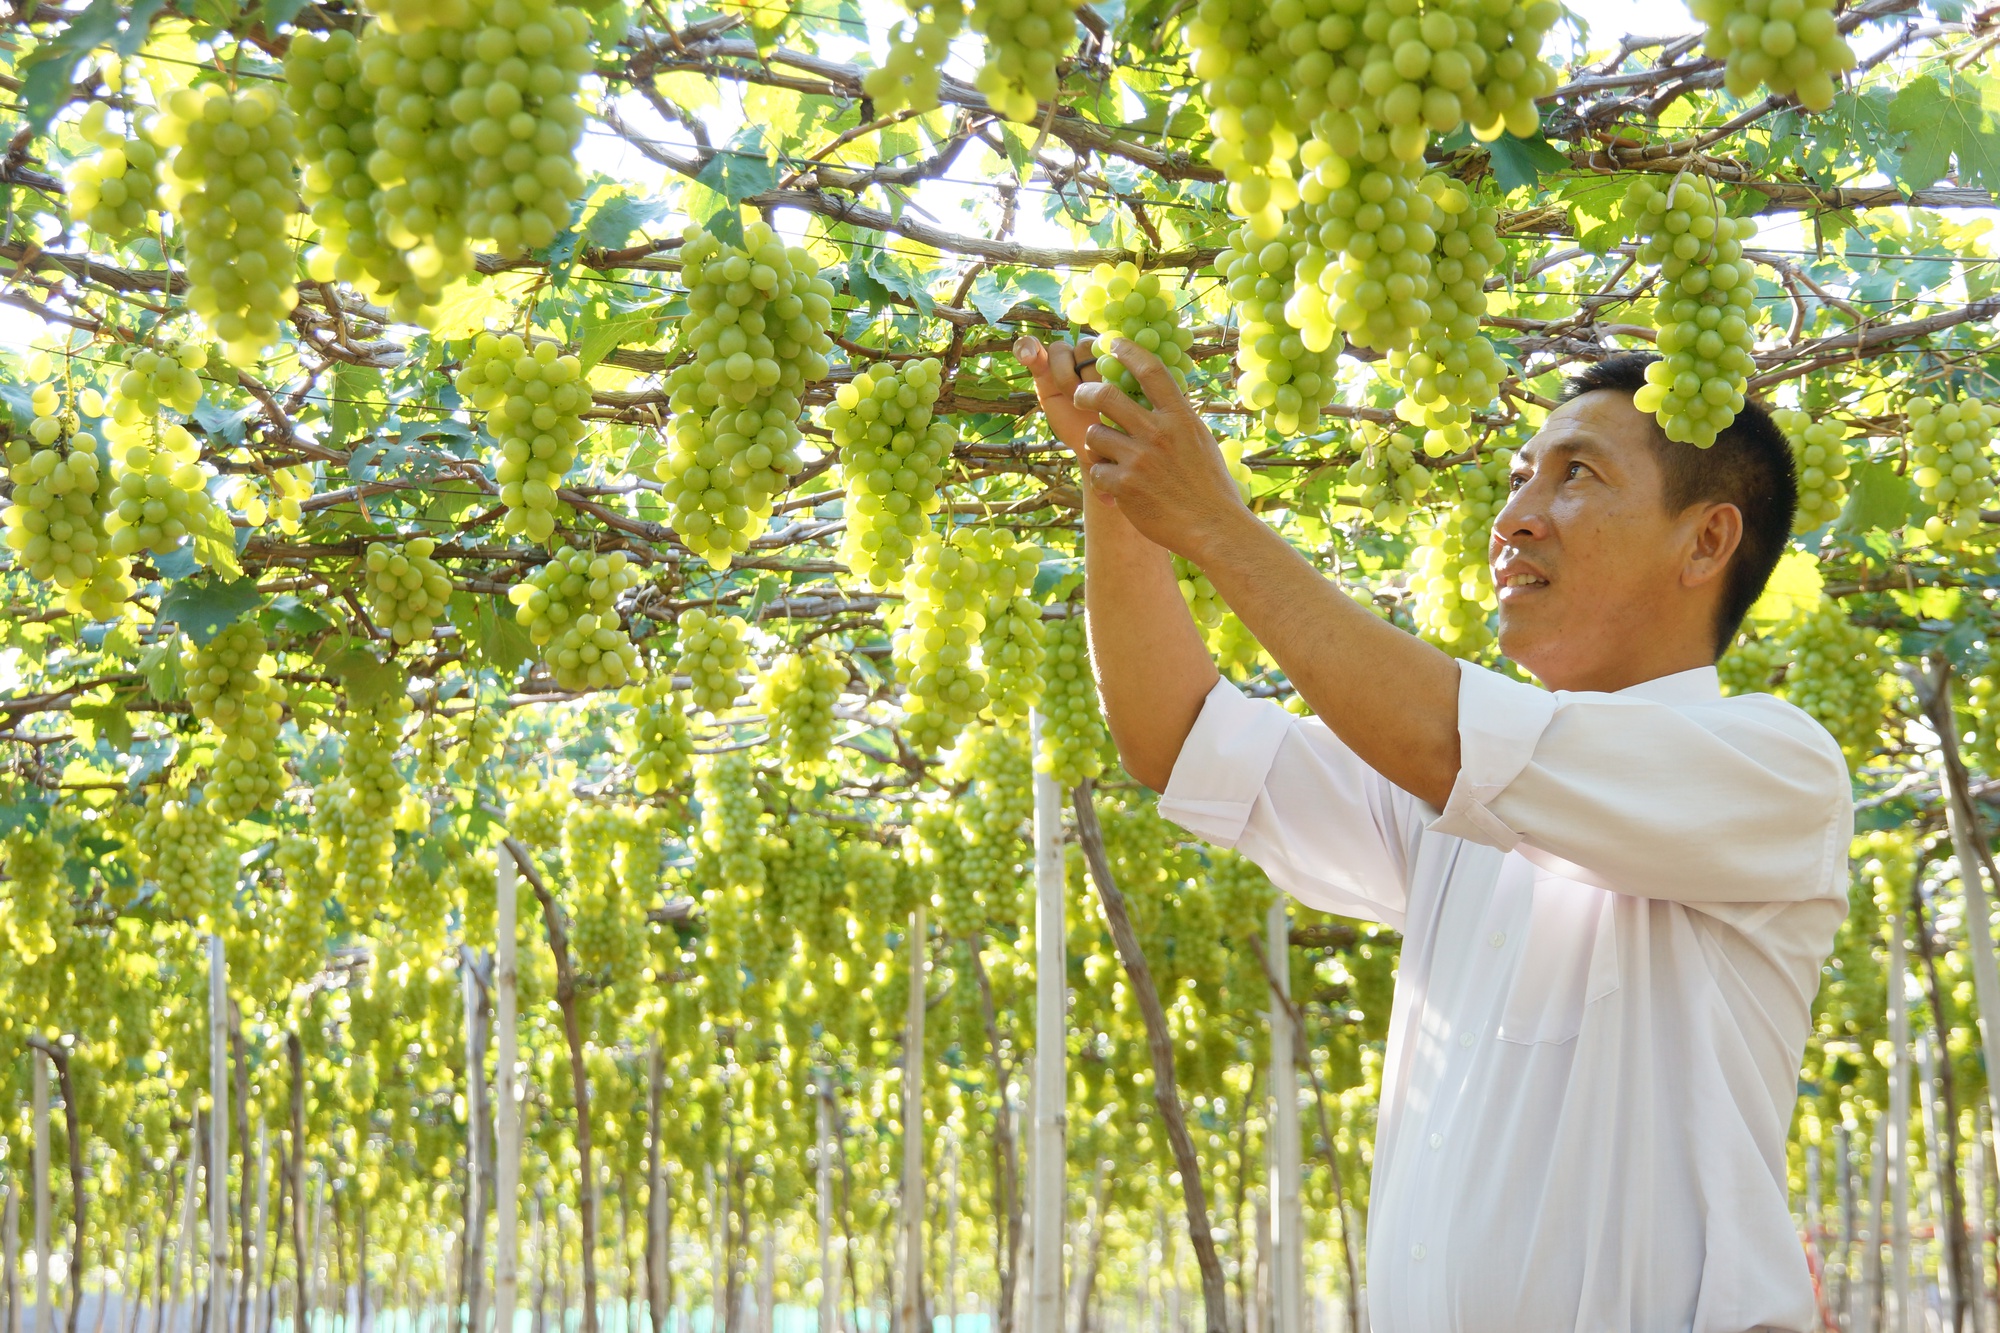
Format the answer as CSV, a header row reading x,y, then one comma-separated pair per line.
x,y
1699,686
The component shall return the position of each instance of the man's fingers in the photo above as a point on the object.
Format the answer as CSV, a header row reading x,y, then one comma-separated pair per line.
x,y
1109,445
1056,368
1151,372
1110,401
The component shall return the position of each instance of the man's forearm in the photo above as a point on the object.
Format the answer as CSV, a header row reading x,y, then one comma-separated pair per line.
x,y
1153,670
1390,696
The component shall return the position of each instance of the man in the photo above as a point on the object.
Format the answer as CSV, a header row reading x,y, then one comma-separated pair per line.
x,y
1615,894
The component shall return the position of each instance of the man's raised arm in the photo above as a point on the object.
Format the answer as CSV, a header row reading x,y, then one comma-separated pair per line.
x,y
1153,483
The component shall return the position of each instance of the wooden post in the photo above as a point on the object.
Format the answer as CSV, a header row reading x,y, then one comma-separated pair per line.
x,y
472,1252
506,1051
1898,1314
253,1283
1051,1080
951,1244
659,1203
40,1167
913,1134
218,1137
10,1260
829,1272
1287,1219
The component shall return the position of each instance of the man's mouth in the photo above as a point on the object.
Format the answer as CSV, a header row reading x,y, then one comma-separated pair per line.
x,y
1517,582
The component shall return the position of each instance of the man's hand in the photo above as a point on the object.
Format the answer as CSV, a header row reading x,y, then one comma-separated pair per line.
x,y
1059,372
1159,465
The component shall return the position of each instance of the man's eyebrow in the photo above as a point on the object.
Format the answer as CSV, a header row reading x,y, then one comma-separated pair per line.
x,y
1573,446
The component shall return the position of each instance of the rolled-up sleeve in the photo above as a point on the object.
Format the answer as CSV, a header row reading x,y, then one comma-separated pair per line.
x,y
1701,804
1285,792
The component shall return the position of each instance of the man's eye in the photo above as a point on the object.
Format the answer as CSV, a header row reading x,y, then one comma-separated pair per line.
x,y
1516,480
1574,471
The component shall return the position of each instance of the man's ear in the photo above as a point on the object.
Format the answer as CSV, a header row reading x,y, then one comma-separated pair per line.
x,y
1718,532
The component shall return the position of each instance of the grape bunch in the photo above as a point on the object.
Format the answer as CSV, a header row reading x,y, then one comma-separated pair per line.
x,y
662,742
519,120
1011,640
479,735
1821,459
1366,273
892,455
731,813
1836,672
1072,727
910,77
1124,302
231,685
756,335
1245,68
815,887
569,607
406,588
1790,46
232,184
534,400
366,795
1704,309
797,695
289,487
180,844
156,379
415,175
942,615
872,875
114,189
537,817
1952,463
55,522
301,936
336,111
1388,475
943,858
1452,368
34,902
713,654
998,775
1280,378
1754,664
1452,582
1024,41
604,920
159,494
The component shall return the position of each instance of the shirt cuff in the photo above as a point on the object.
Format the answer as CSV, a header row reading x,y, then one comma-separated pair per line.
x,y
1500,722
1220,771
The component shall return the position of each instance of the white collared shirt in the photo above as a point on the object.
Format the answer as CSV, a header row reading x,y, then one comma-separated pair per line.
x,y
1612,937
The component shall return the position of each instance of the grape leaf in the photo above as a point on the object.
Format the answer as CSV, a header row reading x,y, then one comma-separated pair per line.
x,y
1878,500
1519,162
204,607
741,169
618,217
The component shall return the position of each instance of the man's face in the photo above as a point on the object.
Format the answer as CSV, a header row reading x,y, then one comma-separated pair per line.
x,y
1586,558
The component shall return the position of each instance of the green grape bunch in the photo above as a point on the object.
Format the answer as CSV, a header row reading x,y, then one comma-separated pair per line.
x,y
232,183
1240,57
1388,475
911,76
115,189
661,741
1025,39
159,378
1821,460
55,522
519,120
1123,302
1952,457
893,449
713,656
34,902
534,400
569,607
1836,672
1012,639
755,335
231,685
798,695
1366,274
1793,47
1451,367
1072,725
364,799
414,178
1280,378
335,108
180,840
1704,309
942,857
731,813
942,615
159,495
1451,583
406,588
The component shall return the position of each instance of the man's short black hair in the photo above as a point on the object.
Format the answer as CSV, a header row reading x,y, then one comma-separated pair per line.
x,y
1750,466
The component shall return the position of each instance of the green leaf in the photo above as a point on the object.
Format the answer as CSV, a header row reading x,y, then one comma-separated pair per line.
x,y
1878,499
214,540
203,608
741,169
1595,214
490,631
1519,162
618,217
601,334
365,676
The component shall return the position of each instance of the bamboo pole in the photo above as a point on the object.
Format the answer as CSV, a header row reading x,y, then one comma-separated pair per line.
x,y
1051,1037
254,1282
184,1242
659,1282
10,1263
913,1133
472,1251
829,1273
1897,1153
1968,842
1287,1219
506,1051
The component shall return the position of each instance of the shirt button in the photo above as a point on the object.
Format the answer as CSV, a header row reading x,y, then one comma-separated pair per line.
x,y
1437,1140
1417,1252
1465,1039
1499,938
